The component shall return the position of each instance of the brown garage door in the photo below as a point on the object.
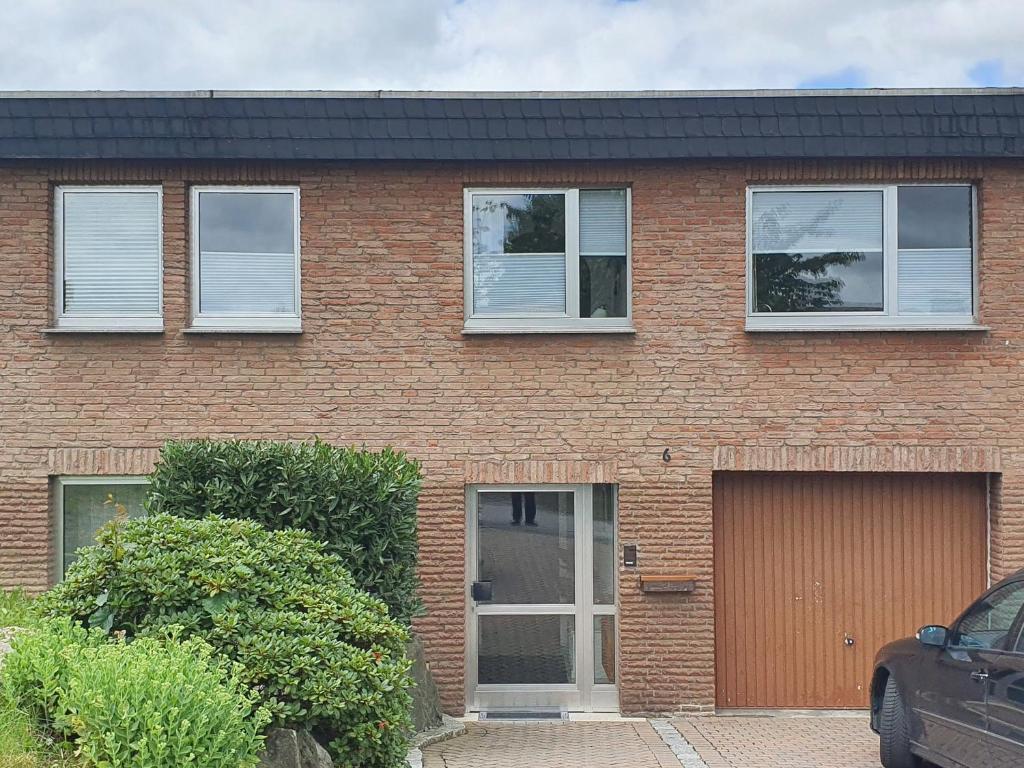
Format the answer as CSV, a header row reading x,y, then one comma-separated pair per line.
x,y
814,572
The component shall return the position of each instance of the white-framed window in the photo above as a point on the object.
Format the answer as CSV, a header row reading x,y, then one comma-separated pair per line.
x,y
108,270
894,256
85,504
547,260
245,259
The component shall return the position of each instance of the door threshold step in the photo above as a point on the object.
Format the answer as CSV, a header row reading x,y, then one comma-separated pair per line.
x,y
547,715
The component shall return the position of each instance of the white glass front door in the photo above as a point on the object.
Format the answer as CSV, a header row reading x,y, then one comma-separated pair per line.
x,y
542,598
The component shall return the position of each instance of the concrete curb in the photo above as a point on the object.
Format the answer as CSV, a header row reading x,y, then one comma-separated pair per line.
x,y
681,748
449,729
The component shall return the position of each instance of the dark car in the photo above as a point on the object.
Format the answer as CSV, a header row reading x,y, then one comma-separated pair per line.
x,y
955,697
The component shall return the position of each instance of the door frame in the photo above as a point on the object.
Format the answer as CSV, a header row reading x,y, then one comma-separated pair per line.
x,y
584,695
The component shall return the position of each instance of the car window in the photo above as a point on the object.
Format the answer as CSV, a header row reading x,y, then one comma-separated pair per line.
x,y
1018,647
988,622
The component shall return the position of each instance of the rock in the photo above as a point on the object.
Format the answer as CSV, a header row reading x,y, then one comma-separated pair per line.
x,y
287,748
6,636
426,707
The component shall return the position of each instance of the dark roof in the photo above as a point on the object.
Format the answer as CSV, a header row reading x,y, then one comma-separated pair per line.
x,y
578,126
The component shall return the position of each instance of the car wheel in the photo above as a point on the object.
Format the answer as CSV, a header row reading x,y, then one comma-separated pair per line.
x,y
894,730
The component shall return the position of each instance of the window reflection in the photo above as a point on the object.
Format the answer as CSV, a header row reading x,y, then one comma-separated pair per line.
x,y
527,546
817,251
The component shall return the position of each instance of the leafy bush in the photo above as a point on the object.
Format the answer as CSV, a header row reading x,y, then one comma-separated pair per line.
x,y
153,703
361,503
16,609
36,671
322,654
162,704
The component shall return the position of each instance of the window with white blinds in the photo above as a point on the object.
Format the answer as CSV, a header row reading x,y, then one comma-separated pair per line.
x,y
246,258
898,256
547,260
108,266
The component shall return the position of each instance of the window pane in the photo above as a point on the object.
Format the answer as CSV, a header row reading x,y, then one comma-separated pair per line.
x,y
603,221
527,649
247,253
527,546
603,286
518,285
533,223
604,650
934,217
936,282
86,509
840,281
246,283
987,624
936,261
604,545
817,222
111,253
247,222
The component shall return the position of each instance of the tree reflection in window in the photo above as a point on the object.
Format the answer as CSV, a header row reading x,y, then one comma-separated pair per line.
x,y
791,278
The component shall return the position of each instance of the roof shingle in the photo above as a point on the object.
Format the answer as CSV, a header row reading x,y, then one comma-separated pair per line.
x,y
521,127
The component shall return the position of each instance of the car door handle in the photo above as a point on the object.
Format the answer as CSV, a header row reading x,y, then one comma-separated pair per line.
x,y
980,677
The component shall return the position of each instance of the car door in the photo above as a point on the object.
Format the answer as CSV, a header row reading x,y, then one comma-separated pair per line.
x,y
1005,702
953,681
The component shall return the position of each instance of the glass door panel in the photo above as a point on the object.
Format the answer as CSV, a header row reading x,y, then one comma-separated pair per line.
x,y
527,650
527,548
603,534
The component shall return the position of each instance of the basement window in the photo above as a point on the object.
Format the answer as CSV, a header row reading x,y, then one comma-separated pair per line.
x,y
547,260
86,504
897,257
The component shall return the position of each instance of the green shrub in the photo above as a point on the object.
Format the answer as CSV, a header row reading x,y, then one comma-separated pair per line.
x,y
36,670
16,609
361,503
162,704
322,654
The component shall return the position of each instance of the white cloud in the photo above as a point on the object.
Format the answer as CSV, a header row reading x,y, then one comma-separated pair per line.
x,y
503,44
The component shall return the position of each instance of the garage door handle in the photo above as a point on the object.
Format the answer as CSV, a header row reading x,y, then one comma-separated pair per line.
x,y
848,639
980,677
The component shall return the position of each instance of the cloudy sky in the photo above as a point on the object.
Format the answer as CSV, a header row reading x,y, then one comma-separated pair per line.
x,y
508,44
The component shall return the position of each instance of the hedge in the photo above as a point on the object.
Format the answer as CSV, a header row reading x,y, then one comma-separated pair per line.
x,y
361,503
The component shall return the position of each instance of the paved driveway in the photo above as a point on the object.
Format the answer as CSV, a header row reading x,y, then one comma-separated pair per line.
x,y
617,744
695,742
781,742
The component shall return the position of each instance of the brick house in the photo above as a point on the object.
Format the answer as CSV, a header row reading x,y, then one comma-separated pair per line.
x,y
714,393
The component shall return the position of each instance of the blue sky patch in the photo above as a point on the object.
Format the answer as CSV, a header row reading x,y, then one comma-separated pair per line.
x,y
987,73
851,77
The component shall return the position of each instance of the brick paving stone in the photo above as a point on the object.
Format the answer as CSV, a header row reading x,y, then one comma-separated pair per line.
x,y
781,742
553,745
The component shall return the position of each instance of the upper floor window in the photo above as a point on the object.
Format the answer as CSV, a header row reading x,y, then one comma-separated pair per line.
x,y
829,258
107,275
245,261
554,260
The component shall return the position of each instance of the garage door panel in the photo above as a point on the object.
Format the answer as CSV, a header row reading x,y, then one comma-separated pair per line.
x,y
804,560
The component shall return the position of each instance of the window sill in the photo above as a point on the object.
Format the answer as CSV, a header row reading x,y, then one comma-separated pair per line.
x,y
247,324
511,327
105,329
282,330
755,327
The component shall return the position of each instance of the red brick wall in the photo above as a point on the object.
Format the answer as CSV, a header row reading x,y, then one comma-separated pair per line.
x,y
382,361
